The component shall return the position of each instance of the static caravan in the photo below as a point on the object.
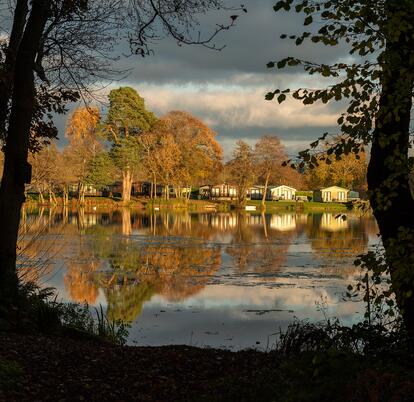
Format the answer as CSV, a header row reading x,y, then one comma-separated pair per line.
x,y
256,192
282,192
331,194
218,191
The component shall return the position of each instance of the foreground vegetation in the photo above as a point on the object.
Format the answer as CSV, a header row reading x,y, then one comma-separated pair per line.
x,y
311,362
51,350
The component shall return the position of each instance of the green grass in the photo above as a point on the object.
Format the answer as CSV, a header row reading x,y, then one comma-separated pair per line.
x,y
305,206
177,203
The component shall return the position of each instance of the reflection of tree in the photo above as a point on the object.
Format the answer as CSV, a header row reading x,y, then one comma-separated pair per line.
x,y
180,251
38,244
79,280
126,299
126,222
174,269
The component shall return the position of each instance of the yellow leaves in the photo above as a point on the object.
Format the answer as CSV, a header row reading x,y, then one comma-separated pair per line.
x,y
83,123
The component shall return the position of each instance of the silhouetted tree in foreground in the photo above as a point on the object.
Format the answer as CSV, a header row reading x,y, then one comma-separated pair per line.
x,y
378,86
57,51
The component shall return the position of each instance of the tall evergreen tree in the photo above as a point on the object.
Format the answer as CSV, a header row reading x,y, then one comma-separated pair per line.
x,y
127,119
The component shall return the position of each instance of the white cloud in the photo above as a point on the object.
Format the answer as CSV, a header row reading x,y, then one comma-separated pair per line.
x,y
239,107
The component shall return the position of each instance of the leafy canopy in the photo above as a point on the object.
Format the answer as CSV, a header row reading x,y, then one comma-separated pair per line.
x,y
127,114
362,27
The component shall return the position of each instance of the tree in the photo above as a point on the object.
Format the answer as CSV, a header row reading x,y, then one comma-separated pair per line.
x,y
101,170
242,169
378,85
200,153
127,119
84,144
45,175
347,171
270,155
166,159
55,53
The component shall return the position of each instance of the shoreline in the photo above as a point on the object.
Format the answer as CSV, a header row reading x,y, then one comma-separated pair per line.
x,y
99,203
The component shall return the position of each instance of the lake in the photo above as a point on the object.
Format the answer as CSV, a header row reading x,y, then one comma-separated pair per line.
x,y
230,280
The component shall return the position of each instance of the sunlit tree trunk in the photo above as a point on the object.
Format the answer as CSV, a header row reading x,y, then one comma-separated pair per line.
x,y
17,170
265,190
126,186
81,193
41,198
65,195
52,197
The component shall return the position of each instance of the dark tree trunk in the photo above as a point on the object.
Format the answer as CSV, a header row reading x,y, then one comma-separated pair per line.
x,y
6,77
17,170
388,170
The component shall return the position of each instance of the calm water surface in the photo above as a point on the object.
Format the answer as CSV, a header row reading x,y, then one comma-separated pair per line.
x,y
218,279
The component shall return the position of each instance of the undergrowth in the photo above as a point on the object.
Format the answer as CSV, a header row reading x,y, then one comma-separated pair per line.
x,y
38,310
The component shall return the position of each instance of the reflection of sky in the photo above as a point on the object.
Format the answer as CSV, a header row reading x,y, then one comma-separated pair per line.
x,y
259,286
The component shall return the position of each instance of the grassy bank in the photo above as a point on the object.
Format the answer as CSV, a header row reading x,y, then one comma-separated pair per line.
x,y
90,202
103,203
301,206
177,203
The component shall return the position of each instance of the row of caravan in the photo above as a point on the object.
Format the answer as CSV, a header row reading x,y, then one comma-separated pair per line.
x,y
279,192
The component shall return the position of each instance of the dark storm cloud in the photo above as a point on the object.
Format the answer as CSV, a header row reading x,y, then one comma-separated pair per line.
x,y
253,42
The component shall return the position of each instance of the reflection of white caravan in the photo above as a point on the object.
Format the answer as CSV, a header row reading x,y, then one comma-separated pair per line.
x,y
283,222
282,192
330,223
255,220
224,221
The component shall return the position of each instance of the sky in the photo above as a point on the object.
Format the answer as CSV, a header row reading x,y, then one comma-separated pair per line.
x,y
226,89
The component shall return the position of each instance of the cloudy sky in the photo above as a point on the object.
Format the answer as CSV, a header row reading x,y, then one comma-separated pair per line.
x,y
226,88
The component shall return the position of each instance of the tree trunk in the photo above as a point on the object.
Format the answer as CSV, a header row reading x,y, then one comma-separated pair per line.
x,y
265,191
52,197
81,193
388,170
17,170
65,195
126,186
6,79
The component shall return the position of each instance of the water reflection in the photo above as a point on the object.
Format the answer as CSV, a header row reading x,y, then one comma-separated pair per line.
x,y
216,269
